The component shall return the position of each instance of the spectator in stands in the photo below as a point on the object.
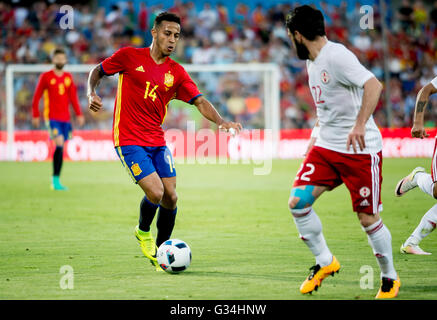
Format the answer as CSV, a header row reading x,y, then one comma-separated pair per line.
x,y
405,14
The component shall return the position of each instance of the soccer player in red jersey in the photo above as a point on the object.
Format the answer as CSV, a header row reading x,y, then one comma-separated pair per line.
x,y
59,90
148,80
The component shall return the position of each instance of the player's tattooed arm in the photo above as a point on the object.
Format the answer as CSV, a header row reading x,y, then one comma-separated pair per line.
x,y
209,112
420,106
94,101
418,129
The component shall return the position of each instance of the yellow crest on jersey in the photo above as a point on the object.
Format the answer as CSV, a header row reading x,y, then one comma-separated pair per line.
x,y
168,79
67,81
53,81
136,170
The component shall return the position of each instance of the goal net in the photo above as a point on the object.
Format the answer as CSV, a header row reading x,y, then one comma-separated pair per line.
x,y
247,93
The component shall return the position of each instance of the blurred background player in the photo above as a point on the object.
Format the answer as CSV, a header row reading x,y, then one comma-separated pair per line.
x,y
59,90
418,177
346,148
148,80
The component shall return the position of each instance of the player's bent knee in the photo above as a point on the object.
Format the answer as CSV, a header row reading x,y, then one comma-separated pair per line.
x,y
292,202
170,200
301,198
367,219
174,198
155,196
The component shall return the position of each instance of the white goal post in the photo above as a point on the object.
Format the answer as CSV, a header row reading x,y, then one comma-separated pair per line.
x,y
270,84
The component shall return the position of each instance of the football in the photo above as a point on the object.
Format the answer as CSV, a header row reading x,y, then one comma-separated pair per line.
x,y
174,256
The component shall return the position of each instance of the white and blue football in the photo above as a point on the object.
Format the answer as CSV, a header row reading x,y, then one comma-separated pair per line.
x,y
174,256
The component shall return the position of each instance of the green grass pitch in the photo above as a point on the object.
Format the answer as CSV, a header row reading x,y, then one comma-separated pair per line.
x,y
243,238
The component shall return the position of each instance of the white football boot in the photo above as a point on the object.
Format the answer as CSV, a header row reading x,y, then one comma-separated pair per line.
x,y
411,248
407,183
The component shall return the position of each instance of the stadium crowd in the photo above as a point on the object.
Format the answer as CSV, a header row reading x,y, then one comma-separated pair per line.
x,y
221,34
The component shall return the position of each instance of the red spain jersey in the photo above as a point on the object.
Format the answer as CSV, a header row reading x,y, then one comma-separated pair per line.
x,y
58,92
145,89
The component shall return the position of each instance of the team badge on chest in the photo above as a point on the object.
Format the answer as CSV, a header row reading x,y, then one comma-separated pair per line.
x,y
168,79
324,76
67,81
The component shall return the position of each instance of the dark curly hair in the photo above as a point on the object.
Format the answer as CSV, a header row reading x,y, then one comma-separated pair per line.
x,y
307,20
166,16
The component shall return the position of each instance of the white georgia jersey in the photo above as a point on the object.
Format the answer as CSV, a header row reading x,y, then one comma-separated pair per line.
x,y
434,82
336,80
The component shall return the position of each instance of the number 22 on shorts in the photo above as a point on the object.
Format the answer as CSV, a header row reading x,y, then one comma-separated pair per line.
x,y
305,175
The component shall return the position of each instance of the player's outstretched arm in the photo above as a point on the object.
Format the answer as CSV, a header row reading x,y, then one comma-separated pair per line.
x,y
371,94
94,101
418,130
209,112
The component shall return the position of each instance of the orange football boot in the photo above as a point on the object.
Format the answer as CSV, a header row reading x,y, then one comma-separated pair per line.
x,y
317,274
389,288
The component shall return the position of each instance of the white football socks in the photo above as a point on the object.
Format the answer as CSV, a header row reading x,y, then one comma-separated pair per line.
x,y
379,238
425,227
310,231
425,183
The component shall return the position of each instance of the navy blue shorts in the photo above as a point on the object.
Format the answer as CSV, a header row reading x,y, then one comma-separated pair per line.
x,y
141,161
58,128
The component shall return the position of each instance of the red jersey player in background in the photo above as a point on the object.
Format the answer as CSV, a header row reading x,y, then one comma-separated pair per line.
x,y
59,90
148,80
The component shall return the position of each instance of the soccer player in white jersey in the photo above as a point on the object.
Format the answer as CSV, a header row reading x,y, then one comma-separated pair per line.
x,y
345,148
419,178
